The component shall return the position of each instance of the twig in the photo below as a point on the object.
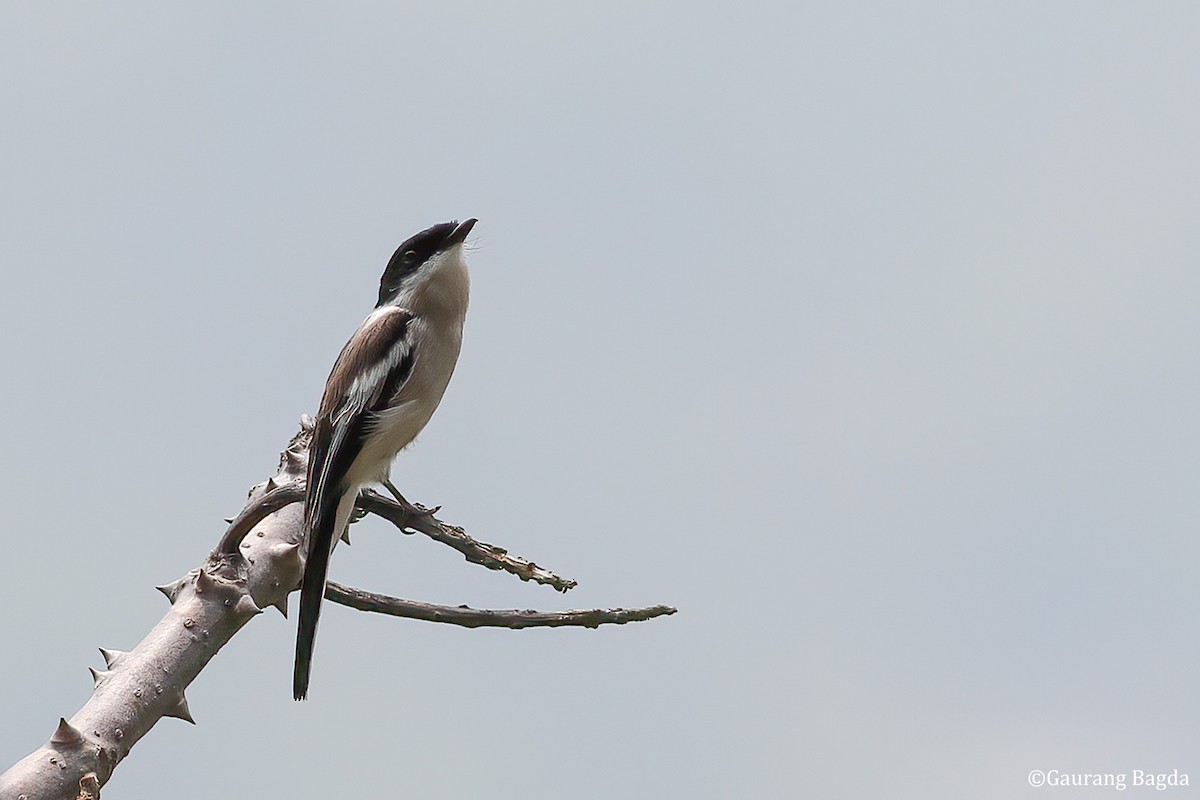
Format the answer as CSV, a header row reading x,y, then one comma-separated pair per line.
x,y
475,551
485,617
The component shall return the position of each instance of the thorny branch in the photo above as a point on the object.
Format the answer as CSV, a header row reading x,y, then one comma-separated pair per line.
x,y
414,518
477,552
257,563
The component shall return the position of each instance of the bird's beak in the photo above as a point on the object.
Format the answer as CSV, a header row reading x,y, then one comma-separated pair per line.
x,y
459,234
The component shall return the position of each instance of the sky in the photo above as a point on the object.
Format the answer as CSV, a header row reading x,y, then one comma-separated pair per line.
x,y
862,333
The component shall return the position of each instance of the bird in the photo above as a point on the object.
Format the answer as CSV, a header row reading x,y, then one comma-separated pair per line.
x,y
384,387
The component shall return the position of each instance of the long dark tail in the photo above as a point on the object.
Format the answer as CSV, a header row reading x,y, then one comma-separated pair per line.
x,y
312,591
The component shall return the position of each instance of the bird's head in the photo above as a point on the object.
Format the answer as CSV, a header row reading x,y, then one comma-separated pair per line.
x,y
422,257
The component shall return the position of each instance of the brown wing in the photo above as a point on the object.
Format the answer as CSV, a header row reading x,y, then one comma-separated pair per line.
x,y
370,370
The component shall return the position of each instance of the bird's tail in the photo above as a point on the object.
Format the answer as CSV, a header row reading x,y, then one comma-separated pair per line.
x,y
323,530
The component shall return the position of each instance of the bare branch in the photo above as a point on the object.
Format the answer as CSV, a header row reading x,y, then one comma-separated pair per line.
x,y
257,563
475,551
407,517
488,618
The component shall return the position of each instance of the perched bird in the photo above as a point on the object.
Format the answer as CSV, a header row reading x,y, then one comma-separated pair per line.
x,y
384,387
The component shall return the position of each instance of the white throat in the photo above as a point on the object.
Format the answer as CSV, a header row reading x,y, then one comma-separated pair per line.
x,y
440,288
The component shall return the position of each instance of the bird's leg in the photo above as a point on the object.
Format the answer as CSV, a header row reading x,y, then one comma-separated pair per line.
x,y
415,510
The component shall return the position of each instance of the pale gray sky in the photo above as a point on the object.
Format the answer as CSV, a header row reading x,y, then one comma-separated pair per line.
x,y
864,333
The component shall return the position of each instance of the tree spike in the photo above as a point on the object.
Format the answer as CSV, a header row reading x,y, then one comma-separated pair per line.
x,y
171,590
204,582
98,676
283,550
246,606
287,556
66,734
281,606
345,537
112,657
180,711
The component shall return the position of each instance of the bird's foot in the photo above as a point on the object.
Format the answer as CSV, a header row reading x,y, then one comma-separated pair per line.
x,y
410,508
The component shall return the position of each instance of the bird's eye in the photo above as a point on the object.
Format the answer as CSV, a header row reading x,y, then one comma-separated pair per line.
x,y
410,257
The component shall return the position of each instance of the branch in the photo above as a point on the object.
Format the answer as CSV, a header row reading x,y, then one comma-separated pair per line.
x,y
475,551
406,518
488,618
257,563
137,689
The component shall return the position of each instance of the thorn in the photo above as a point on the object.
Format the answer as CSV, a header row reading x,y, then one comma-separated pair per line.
x,y
246,606
180,711
171,590
281,605
286,557
271,484
98,676
229,520
112,657
345,537
204,582
285,549
66,734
